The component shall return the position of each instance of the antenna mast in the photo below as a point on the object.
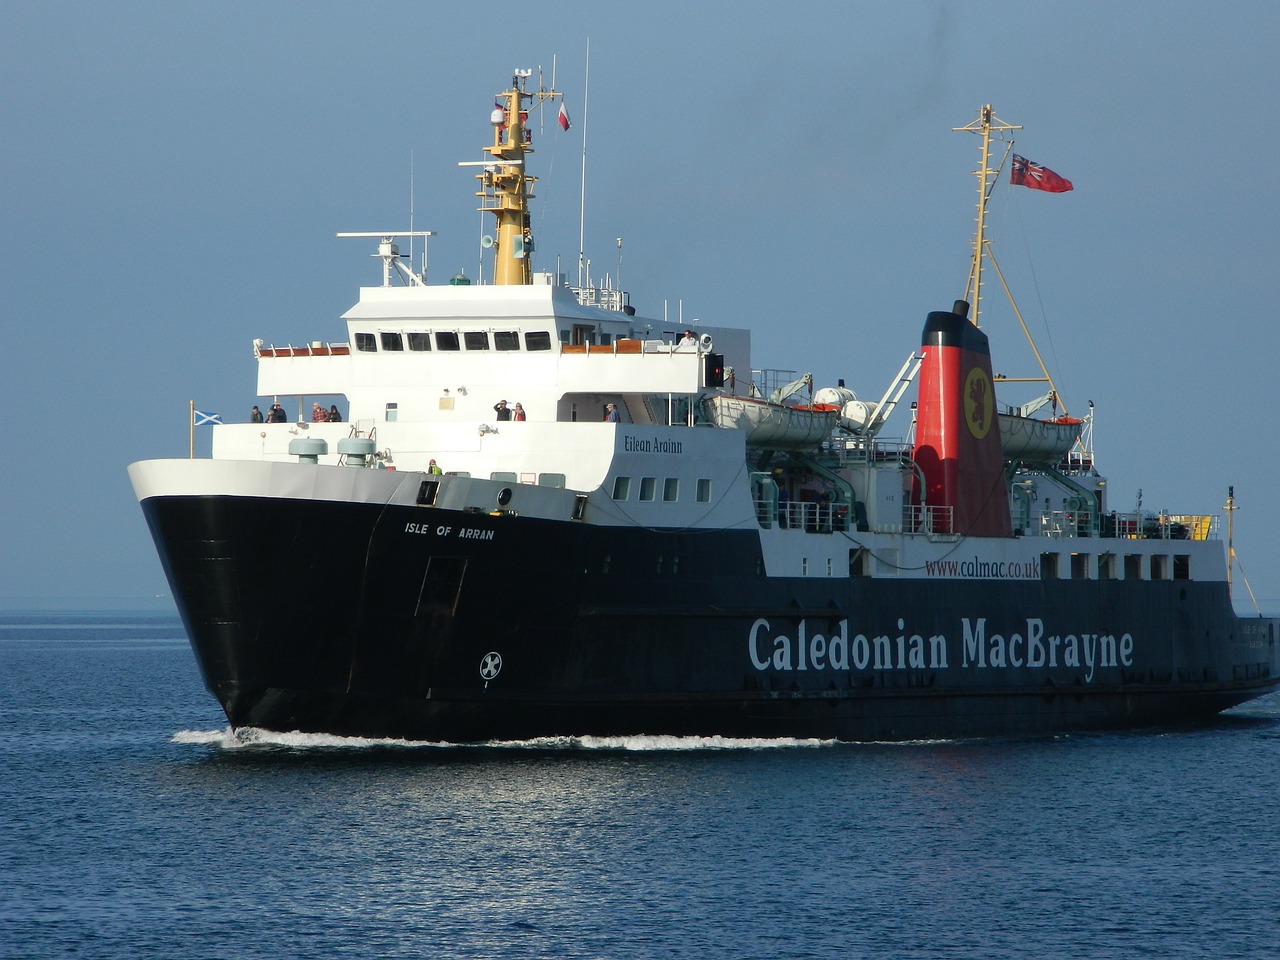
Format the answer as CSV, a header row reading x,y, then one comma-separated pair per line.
x,y
987,121
582,197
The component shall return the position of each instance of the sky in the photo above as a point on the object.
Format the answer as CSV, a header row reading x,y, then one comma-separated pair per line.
x,y
172,176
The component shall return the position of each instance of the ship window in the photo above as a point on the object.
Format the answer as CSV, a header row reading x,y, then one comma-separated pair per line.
x,y
671,489
419,340
391,341
606,339
579,506
1133,566
1048,566
506,340
1159,567
551,480
428,490
446,340
648,487
621,488
1181,566
505,476
704,491
537,340
366,342
393,412
858,566
476,340
1080,566
1106,566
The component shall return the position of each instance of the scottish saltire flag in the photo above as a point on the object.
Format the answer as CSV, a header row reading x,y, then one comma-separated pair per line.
x,y
202,418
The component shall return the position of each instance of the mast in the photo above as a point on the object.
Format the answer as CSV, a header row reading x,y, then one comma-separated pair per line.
x,y
986,122
506,188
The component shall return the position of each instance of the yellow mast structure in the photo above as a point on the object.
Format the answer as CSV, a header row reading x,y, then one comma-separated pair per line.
x,y
986,123
506,188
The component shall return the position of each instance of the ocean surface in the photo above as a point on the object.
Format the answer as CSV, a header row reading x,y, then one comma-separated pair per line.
x,y
133,825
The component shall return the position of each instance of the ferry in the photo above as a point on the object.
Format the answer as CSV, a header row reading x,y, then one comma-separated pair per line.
x,y
541,514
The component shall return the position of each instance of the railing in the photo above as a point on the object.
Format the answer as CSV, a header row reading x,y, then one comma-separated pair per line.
x,y
316,349
809,516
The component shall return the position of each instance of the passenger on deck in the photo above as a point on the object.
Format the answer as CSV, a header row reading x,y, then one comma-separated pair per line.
x,y
611,413
334,415
501,410
276,414
256,415
688,340
319,414
519,413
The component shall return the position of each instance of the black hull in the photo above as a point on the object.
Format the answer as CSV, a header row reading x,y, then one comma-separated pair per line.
x,y
363,620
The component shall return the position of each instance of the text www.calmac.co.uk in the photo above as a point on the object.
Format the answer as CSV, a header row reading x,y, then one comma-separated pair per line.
x,y
984,569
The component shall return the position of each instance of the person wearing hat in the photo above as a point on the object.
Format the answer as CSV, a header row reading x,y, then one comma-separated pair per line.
x,y
611,413
500,408
434,468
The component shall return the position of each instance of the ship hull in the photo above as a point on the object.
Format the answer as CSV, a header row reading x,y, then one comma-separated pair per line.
x,y
368,620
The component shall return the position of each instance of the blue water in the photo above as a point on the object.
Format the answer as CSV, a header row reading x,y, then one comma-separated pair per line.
x,y
133,825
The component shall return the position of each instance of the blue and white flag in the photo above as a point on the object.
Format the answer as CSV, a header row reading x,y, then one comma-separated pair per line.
x,y
203,418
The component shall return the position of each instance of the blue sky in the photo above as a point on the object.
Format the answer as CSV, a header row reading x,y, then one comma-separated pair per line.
x,y
173,176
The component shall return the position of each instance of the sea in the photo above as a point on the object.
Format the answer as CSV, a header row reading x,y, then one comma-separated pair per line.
x,y
133,824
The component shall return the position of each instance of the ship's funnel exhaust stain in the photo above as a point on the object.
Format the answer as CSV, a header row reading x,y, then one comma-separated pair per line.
x,y
957,437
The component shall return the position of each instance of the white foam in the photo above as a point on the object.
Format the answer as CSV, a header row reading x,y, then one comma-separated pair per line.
x,y
250,737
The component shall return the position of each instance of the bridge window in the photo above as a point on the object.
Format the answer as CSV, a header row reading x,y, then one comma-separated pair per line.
x,y
419,340
476,340
366,342
446,340
506,340
537,340
391,341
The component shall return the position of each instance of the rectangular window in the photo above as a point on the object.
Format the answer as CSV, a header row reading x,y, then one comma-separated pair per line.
x,y
1080,566
506,340
1133,566
391,341
503,476
419,340
704,491
1159,567
621,488
1048,566
1106,566
648,487
476,340
537,340
671,489
551,480
446,340
1181,566
366,342
393,412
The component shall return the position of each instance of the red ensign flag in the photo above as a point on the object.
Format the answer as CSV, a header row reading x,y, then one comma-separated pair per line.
x,y
564,117
1037,177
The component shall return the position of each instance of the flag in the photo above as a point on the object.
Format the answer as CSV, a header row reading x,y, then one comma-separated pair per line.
x,y
202,418
564,117
1037,177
